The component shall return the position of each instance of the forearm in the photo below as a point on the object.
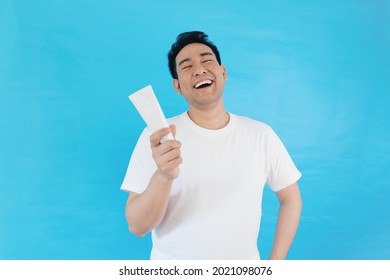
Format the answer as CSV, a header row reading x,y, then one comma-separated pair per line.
x,y
147,209
287,225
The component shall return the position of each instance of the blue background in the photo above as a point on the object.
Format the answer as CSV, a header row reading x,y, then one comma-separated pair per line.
x,y
316,71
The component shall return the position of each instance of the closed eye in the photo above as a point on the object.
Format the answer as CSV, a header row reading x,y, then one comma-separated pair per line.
x,y
186,67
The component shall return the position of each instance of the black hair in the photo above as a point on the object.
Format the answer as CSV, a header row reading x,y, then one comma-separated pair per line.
x,y
185,39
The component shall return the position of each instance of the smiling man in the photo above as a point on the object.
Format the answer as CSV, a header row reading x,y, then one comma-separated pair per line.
x,y
201,193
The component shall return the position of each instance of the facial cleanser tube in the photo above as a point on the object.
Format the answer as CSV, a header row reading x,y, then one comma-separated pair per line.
x,y
147,105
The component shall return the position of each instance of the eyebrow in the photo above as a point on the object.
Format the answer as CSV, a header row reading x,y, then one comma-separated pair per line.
x,y
188,59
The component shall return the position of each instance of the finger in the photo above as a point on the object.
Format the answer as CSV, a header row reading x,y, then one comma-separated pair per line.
x,y
170,166
155,137
161,154
165,147
173,130
163,158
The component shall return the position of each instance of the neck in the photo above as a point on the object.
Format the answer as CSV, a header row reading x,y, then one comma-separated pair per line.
x,y
212,119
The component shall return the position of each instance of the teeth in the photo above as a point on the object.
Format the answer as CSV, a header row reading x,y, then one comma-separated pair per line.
x,y
209,82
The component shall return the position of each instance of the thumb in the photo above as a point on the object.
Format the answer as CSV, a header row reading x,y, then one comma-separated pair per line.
x,y
173,130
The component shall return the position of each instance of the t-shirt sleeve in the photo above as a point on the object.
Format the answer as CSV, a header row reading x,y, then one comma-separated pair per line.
x,y
141,166
282,171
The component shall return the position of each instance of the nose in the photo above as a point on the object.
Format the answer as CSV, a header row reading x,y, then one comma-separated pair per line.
x,y
199,69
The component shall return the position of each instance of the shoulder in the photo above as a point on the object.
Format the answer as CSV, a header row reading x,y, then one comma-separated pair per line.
x,y
176,119
248,123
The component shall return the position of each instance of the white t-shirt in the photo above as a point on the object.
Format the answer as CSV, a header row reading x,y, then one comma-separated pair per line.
x,y
214,209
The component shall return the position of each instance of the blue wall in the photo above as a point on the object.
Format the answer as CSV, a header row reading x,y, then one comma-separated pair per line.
x,y
317,72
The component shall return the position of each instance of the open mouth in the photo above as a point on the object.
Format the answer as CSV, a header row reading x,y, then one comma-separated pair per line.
x,y
203,84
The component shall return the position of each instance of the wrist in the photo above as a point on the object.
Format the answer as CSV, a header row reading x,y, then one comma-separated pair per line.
x,y
162,178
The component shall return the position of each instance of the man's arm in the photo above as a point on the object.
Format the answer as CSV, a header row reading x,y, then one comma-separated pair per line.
x,y
146,210
288,220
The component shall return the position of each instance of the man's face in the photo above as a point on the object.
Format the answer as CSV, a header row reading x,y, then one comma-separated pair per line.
x,y
200,77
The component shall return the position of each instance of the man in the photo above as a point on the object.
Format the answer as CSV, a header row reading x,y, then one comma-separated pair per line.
x,y
201,193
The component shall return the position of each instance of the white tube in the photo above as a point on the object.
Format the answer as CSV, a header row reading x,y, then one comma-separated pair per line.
x,y
147,105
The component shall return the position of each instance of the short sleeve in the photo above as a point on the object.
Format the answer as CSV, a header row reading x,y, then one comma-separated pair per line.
x,y
282,171
141,166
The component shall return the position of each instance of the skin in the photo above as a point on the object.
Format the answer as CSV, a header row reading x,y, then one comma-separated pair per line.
x,y
288,221
194,63
144,212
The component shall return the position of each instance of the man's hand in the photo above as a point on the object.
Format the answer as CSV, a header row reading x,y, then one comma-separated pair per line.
x,y
145,211
167,155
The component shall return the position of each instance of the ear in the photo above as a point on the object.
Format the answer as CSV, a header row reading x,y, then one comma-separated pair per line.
x,y
176,85
224,72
